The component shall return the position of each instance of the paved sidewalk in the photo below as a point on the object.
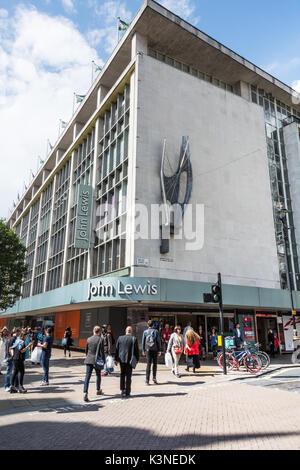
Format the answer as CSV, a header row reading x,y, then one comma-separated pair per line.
x,y
206,411
67,379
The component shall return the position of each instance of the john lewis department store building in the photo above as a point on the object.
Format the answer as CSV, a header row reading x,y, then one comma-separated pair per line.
x,y
169,95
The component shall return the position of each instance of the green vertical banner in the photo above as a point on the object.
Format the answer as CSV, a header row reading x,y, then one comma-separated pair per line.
x,y
82,236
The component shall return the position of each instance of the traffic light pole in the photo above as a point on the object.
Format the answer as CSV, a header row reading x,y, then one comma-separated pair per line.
x,y
222,323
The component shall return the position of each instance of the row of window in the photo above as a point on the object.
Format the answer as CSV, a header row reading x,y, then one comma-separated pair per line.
x,y
46,246
276,113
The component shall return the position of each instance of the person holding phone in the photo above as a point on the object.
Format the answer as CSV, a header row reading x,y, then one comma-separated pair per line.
x,y
18,352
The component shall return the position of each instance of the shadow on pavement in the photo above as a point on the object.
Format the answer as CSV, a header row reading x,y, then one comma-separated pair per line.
x,y
81,435
142,395
49,389
182,384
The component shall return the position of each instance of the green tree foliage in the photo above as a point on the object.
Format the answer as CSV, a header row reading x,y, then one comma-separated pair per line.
x,y
12,266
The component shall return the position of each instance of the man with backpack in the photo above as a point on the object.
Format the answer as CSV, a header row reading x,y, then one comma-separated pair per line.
x,y
151,349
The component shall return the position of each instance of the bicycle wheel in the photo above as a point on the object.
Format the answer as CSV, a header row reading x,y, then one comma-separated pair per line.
x,y
230,361
264,359
252,364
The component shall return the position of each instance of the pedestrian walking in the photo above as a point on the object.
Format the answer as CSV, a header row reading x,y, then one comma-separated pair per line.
x,y
191,350
28,340
188,327
214,342
107,342
9,361
276,344
68,341
3,346
94,350
110,331
127,355
46,346
175,348
18,351
238,337
166,335
202,346
271,342
151,349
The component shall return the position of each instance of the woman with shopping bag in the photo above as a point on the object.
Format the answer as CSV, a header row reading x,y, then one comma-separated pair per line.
x,y
175,348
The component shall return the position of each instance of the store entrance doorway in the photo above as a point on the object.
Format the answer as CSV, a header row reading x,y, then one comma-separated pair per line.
x,y
183,321
264,324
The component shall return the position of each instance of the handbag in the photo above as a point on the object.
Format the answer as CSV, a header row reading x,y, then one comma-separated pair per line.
x,y
133,361
99,363
177,349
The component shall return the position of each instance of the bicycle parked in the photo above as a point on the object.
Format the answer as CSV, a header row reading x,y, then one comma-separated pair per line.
x,y
262,355
238,358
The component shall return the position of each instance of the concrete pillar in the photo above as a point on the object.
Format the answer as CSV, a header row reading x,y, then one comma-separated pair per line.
x,y
94,185
25,203
243,89
59,155
50,234
70,203
78,126
101,93
131,188
34,190
46,173
35,250
139,44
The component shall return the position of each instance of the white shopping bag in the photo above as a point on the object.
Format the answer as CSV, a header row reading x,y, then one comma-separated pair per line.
x,y
36,355
168,360
110,362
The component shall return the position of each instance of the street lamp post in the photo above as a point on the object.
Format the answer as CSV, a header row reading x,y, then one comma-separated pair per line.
x,y
285,228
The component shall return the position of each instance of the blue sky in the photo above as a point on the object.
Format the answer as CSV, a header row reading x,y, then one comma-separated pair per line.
x,y
46,49
264,31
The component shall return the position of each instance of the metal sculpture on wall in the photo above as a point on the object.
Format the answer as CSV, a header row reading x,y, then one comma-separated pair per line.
x,y
176,191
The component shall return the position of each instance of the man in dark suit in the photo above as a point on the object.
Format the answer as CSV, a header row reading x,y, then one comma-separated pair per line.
x,y
94,348
238,336
151,349
127,354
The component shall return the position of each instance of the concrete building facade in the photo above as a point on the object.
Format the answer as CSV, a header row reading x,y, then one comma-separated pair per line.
x,y
93,254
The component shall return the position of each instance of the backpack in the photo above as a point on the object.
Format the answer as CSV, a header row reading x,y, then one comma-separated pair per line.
x,y
17,356
150,341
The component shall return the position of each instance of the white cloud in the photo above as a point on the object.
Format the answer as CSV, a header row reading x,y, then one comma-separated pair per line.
x,y
3,13
68,5
108,13
43,60
183,8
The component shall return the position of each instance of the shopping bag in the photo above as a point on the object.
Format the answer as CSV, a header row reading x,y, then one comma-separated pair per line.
x,y
168,360
36,355
110,364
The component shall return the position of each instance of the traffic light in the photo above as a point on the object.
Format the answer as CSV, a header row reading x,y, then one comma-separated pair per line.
x,y
215,297
216,293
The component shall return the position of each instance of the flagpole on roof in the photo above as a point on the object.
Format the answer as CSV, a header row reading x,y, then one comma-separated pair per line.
x,y
118,29
73,102
93,63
